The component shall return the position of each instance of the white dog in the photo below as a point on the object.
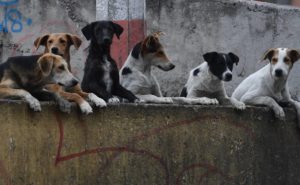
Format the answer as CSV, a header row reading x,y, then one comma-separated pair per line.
x,y
268,86
137,77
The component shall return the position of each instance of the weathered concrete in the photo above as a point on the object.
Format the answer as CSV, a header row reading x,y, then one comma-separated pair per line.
x,y
247,28
148,144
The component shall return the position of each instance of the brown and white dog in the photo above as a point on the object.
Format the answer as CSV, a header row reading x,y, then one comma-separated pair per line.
x,y
59,44
268,86
25,77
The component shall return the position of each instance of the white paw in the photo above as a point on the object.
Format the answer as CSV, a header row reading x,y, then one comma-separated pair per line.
x,y
114,100
240,105
86,108
168,100
279,113
208,101
96,100
34,104
139,101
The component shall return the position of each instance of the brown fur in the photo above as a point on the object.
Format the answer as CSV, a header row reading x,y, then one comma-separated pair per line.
x,y
63,41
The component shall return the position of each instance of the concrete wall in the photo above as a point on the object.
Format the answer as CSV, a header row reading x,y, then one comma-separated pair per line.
x,y
148,144
33,18
247,28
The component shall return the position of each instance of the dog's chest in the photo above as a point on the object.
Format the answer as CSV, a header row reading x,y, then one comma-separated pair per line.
x,y
107,74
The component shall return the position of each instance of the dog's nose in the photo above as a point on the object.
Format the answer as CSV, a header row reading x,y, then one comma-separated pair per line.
x,y
278,72
106,40
228,76
54,50
172,66
74,82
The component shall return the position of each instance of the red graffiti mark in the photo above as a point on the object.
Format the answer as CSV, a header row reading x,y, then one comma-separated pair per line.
x,y
4,174
145,153
211,170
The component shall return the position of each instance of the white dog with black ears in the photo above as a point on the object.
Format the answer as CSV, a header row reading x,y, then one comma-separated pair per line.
x,y
268,86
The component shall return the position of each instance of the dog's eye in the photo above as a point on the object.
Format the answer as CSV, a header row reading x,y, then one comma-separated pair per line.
x,y
286,60
62,41
62,67
50,41
274,60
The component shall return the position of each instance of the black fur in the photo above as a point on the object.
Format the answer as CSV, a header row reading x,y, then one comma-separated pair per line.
x,y
136,50
126,71
196,71
183,92
219,62
94,70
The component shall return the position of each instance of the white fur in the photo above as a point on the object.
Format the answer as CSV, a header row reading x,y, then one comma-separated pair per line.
x,y
96,100
86,108
107,78
113,100
33,102
263,88
207,83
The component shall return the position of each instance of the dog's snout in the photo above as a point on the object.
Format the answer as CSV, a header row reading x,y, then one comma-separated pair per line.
x,y
106,40
172,66
54,50
228,76
278,72
74,82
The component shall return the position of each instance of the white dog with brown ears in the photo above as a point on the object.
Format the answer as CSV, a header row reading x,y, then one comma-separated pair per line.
x,y
268,86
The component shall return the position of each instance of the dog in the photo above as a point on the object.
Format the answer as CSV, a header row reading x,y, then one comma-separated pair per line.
x,y
207,80
137,77
101,75
59,44
268,86
23,76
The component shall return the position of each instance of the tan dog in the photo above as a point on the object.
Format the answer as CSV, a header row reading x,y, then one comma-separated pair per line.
x,y
59,44
25,76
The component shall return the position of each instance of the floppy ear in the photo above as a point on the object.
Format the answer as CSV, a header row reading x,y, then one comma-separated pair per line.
x,y
41,41
151,43
87,31
209,57
46,63
117,28
234,58
268,54
74,40
294,55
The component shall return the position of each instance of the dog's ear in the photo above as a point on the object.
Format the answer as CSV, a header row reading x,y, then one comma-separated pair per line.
x,y
209,57
41,41
87,31
234,58
294,55
151,43
117,29
46,64
268,54
74,40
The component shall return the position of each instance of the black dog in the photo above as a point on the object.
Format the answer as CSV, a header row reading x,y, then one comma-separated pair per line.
x,y
101,75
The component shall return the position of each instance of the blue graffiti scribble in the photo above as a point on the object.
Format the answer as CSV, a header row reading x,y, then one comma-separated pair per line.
x,y
8,3
12,16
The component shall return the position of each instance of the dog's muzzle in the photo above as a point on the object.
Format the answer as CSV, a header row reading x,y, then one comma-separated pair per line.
x,y
278,73
227,77
166,67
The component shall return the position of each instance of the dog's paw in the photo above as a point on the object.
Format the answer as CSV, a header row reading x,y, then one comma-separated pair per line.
x,y
96,100
279,113
113,100
64,106
34,104
168,100
208,101
86,108
139,101
240,105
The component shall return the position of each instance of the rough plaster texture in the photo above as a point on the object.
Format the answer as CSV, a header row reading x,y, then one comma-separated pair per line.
x,y
47,16
148,144
247,28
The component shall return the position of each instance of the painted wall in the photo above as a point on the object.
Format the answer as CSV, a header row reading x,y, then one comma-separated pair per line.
x,y
247,28
147,144
22,21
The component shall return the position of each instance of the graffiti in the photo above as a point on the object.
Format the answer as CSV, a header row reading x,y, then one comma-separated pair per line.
x,y
12,18
211,170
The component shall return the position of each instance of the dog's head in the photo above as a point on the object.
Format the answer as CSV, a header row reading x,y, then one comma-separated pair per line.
x,y
221,64
281,60
153,52
58,43
55,69
102,32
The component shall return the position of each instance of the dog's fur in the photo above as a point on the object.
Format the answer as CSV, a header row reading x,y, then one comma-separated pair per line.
x,y
25,76
268,86
207,80
136,74
59,44
101,75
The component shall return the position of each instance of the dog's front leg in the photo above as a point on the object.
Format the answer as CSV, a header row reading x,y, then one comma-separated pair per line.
x,y
267,101
287,98
225,100
124,93
149,98
195,97
6,92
